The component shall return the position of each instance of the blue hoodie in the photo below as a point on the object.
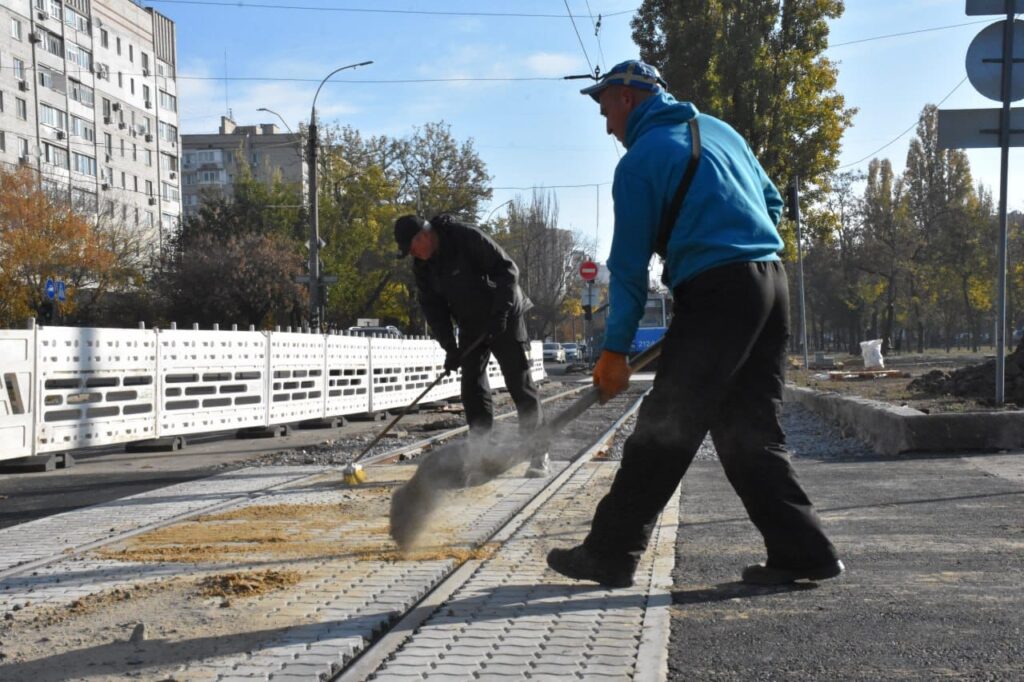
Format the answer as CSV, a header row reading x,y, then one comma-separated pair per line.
x,y
729,214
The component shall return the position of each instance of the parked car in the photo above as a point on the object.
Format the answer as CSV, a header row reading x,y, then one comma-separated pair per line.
x,y
572,352
390,331
553,352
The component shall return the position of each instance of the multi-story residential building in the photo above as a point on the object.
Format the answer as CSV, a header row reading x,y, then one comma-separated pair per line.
x,y
88,99
209,163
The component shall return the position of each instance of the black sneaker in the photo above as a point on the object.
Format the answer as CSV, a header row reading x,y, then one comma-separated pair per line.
x,y
581,564
759,574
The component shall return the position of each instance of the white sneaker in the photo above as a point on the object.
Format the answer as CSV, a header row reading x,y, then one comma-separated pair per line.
x,y
539,467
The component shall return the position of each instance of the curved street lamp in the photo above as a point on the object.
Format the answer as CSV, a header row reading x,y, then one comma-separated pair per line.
x,y
491,212
315,304
298,150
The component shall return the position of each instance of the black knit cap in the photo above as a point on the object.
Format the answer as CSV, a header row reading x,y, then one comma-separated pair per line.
x,y
407,227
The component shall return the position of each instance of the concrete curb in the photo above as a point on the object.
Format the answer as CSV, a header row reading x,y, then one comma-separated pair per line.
x,y
892,430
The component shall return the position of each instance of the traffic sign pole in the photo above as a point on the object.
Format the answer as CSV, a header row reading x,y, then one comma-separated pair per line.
x,y
1004,170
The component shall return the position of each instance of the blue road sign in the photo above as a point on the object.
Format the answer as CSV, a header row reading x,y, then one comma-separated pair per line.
x,y
61,293
50,289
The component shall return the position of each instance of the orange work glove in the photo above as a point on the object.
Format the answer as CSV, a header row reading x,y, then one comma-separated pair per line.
x,y
611,374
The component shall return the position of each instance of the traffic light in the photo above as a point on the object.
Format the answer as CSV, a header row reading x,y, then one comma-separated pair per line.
x,y
588,312
46,311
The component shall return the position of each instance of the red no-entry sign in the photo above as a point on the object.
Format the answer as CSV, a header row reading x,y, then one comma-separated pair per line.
x,y
588,270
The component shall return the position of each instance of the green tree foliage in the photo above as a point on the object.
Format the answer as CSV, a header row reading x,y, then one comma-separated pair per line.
x,y
909,258
236,260
758,65
366,183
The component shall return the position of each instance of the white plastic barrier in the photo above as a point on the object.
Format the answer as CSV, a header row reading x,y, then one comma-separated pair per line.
x,y
17,358
69,387
211,380
297,373
95,387
348,375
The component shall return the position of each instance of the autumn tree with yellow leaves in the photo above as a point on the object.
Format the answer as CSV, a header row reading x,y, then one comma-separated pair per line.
x,y
41,237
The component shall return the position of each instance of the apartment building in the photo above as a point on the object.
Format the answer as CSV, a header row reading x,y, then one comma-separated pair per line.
x,y
88,99
210,162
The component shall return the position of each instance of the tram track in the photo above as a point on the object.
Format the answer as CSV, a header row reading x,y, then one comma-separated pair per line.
x,y
355,605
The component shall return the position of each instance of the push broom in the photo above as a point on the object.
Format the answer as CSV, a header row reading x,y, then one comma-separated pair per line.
x,y
353,473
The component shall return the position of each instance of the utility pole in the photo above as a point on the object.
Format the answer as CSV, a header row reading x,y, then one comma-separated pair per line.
x,y
315,282
315,308
794,214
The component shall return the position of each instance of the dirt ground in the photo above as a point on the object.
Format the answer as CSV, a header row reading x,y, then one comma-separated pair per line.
x,y
895,390
239,569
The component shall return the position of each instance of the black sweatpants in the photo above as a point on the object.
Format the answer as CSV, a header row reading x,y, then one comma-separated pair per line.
x,y
510,350
721,370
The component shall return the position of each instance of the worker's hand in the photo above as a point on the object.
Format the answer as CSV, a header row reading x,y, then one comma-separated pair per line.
x,y
496,327
611,375
452,359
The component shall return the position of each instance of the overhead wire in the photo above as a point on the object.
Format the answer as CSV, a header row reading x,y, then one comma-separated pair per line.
x,y
376,10
915,123
583,47
597,35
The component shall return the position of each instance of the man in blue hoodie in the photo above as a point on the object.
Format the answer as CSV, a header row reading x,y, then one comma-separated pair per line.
x,y
722,365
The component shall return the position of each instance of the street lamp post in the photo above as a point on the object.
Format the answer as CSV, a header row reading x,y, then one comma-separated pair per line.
x,y
491,212
315,304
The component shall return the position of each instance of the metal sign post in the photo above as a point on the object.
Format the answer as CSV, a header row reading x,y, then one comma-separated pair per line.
x,y
990,60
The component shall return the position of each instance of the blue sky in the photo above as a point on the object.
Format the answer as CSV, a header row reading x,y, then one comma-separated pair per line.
x,y
536,132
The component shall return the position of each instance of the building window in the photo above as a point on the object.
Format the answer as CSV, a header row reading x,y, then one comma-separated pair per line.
x,y
23,147
131,83
84,164
120,79
50,79
124,180
106,107
104,38
149,157
79,55
53,44
83,128
3,142
83,200
168,163
145,93
75,20
135,152
108,142
15,29
170,192
168,132
82,94
54,155
22,109
149,188
117,42
19,69
164,69
145,61
1,102
55,118
168,101
122,149
55,9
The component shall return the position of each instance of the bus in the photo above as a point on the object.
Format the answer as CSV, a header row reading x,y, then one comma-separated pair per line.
x,y
654,323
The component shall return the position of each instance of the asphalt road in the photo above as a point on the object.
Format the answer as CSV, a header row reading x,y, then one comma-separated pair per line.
x,y
934,549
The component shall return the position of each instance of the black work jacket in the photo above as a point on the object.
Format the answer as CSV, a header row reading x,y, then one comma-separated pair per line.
x,y
470,278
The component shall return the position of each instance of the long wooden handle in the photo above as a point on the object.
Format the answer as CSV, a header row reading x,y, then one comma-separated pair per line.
x,y
405,410
591,396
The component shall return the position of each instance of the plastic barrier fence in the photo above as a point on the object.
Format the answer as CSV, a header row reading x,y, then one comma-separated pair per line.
x,y
67,388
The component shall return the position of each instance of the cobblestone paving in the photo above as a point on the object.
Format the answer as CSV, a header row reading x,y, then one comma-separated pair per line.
x,y
56,535
517,619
